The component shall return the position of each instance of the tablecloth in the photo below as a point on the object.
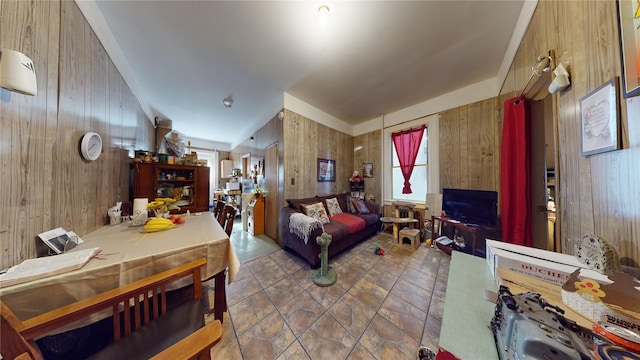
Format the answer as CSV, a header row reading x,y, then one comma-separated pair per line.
x,y
128,254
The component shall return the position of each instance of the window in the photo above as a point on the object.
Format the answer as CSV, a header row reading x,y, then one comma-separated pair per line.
x,y
425,176
418,178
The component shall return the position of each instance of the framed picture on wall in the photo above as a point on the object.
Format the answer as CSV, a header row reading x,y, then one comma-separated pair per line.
x,y
599,114
326,170
367,170
629,28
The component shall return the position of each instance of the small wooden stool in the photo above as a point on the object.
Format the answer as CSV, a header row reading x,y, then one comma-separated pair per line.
x,y
411,234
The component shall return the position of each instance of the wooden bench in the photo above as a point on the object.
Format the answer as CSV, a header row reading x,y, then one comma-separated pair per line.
x,y
142,326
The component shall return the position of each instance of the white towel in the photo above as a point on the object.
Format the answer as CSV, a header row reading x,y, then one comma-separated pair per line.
x,y
303,225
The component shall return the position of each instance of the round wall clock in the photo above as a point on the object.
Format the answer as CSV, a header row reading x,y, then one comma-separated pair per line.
x,y
91,146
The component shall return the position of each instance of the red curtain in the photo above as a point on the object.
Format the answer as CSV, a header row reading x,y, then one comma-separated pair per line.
x,y
407,144
515,173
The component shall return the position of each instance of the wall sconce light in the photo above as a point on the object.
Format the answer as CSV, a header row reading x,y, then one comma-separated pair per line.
x,y
17,72
228,101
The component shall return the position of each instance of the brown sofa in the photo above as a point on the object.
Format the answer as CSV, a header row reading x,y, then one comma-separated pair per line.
x,y
341,238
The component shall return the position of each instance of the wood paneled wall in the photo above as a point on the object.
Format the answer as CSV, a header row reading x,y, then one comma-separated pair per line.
x,y
301,141
368,149
266,136
599,194
469,148
46,184
304,142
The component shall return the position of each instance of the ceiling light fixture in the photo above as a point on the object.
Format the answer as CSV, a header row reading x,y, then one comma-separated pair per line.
x,y
17,72
323,13
228,101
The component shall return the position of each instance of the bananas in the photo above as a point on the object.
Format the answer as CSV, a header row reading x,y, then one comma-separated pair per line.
x,y
158,224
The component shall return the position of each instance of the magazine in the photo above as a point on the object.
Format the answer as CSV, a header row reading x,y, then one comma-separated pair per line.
x,y
60,240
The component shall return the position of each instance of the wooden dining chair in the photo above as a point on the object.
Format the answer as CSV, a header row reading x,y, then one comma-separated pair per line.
x,y
144,330
227,218
217,212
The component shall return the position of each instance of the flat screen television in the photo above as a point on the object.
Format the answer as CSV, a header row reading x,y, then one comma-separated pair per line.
x,y
477,207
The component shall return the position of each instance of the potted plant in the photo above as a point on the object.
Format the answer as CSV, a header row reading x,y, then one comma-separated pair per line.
x,y
259,193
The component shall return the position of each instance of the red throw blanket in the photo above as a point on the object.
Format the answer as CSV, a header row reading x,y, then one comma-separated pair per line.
x,y
354,223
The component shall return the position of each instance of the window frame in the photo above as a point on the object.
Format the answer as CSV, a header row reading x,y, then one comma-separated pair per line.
x,y
433,158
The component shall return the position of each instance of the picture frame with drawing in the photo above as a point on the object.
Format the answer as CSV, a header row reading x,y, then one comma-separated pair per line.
x,y
367,170
326,170
600,119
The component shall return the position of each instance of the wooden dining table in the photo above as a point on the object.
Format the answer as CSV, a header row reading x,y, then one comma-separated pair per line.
x,y
127,254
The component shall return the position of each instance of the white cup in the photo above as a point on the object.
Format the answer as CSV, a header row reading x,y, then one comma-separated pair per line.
x,y
139,211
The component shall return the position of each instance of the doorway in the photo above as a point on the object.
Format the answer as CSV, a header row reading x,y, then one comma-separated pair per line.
x,y
246,165
543,168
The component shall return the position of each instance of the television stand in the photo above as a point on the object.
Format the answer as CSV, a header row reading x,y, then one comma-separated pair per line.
x,y
473,229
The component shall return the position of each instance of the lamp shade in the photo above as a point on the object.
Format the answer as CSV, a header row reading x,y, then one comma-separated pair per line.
x,y
17,72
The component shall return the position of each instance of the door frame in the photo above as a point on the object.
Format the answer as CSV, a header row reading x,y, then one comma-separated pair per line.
x,y
272,213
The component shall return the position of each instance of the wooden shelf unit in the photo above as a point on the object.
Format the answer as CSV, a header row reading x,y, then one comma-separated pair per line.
x,y
153,180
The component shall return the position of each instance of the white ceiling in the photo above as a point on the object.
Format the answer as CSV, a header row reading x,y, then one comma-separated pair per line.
x,y
182,58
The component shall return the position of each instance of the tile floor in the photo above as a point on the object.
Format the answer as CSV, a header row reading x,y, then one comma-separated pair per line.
x,y
248,247
382,307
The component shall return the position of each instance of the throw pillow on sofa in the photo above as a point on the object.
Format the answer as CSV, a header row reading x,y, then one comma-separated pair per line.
x,y
316,211
333,206
359,206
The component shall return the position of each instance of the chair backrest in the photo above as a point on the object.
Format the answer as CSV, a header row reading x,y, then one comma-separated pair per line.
x,y
217,212
13,343
18,337
227,218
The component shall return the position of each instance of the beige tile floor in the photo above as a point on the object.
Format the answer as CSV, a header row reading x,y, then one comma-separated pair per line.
x,y
382,307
